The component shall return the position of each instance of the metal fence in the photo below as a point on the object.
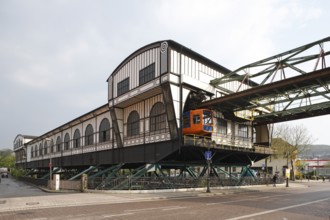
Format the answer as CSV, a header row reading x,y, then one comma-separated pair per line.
x,y
149,183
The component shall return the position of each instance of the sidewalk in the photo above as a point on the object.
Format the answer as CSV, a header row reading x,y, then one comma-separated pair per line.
x,y
93,197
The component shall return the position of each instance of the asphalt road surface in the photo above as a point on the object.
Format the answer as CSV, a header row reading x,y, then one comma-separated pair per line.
x,y
309,201
10,188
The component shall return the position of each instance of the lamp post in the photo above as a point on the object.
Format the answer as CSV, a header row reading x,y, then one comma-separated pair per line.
x,y
50,163
50,170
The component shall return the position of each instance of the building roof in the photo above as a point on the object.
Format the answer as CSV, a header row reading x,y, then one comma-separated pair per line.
x,y
177,46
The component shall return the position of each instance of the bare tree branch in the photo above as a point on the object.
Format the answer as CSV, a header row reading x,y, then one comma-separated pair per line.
x,y
291,140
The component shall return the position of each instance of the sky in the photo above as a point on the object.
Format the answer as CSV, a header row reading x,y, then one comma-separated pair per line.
x,y
55,56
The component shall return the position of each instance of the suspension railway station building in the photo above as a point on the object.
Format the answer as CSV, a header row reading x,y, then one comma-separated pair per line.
x,y
151,98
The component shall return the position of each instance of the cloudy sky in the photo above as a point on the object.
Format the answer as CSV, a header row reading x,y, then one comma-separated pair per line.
x,y
55,56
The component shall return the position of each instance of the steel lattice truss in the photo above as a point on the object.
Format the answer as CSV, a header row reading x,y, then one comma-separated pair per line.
x,y
287,86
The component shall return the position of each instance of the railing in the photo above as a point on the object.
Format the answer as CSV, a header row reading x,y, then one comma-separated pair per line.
x,y
202,141
79,150
148,137
64,184
197,140
150,183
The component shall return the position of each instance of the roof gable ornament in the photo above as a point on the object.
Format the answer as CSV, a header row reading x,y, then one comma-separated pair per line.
x,y
163,47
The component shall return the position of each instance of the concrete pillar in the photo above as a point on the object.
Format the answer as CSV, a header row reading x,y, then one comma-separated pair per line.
x,y
56,182
84,181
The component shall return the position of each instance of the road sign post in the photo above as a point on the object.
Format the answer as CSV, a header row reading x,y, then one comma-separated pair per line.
x,y
208,158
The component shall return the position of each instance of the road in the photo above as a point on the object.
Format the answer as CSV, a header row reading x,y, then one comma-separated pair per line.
x,y
308,200
10,188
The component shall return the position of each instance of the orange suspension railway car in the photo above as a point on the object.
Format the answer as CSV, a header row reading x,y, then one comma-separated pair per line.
x,y
198,122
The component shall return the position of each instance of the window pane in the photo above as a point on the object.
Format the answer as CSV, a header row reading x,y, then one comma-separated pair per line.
x,y
76,138
196,119
104,130
222,124
58,144
66,141
89,137
123,87
243,131
157,117
147,74
207,117
133,124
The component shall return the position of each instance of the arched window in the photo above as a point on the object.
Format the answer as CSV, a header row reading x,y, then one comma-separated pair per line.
x,y
67,141
89,135
58,144
104,131
45,148
40,149
36,150
76,138
51,146
133,124
158,117
32,152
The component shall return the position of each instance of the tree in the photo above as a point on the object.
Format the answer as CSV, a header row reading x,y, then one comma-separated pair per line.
x,y
7,159
291,140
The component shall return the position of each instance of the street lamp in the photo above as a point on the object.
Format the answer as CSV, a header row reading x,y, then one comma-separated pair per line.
x,y
50,163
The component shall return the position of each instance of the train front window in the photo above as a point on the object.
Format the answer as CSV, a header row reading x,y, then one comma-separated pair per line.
x,y
207,117
196,119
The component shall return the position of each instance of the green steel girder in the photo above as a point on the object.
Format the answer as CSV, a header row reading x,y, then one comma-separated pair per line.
x,y
91,168
167,180
142,170
47,174
112,170
294,113
283,60
191,172
285,99
225,172
245,171
203,171
308,95
305,94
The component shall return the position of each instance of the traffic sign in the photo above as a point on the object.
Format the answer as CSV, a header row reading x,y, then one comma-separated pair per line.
x,y
208,155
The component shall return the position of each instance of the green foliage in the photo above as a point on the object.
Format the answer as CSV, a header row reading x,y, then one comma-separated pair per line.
x,y
7,159
17,172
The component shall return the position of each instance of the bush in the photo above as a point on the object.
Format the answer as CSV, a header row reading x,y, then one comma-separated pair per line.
x,y
17,172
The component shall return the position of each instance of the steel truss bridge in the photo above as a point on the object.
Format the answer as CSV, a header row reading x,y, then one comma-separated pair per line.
x,y
288,86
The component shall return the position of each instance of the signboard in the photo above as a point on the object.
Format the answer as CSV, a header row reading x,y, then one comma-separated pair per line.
x,y
208,155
